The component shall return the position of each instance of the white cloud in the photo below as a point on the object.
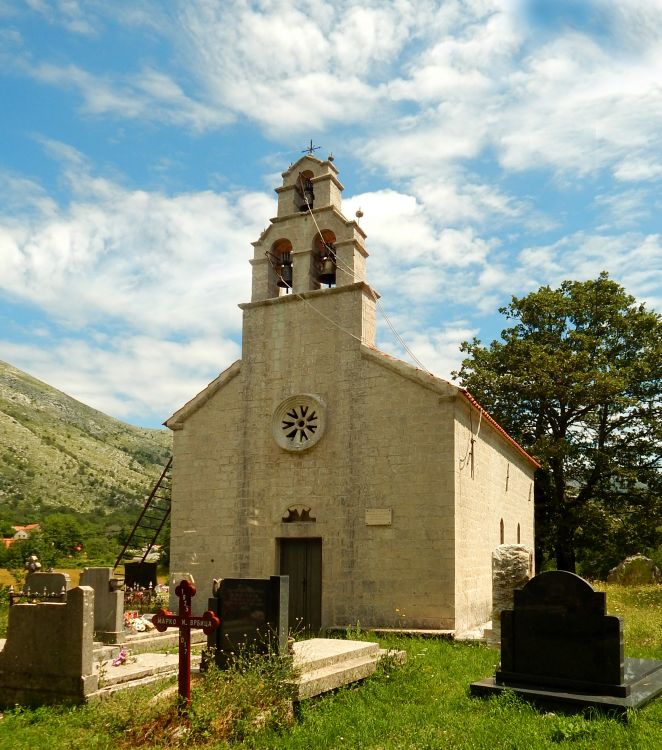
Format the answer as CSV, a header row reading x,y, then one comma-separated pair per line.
x,y
156,276
626,208
632,259
128,375
66,13
473,77
437,349
148,95
134,256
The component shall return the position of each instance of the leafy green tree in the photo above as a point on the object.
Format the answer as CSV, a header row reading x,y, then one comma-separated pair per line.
x,y
15,557
576,380
63,532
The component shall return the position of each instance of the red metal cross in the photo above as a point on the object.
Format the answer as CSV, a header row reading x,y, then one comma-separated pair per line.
x,y
165,619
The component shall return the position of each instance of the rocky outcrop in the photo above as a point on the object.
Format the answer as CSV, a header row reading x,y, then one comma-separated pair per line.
x,y
511,569
635,570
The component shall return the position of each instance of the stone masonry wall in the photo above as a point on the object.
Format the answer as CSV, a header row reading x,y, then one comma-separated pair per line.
x,y
388,444
501,488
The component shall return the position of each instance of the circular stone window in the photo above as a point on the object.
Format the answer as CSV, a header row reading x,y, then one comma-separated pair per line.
x,y
299,422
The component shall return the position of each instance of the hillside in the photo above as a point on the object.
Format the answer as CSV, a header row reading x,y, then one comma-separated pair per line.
x,y
57,453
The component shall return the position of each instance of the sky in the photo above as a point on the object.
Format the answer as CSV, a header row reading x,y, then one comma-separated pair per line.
x,y
493,146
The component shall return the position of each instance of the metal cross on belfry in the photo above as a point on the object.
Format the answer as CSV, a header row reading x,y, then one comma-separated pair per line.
x,y
311,149
165,619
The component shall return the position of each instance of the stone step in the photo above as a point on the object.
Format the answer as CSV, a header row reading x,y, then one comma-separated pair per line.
x,y
140,643
104,652
140,667
318,653
318,681
324,664
107,690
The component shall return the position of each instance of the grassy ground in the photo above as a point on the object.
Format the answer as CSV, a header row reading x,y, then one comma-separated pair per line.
x,y
424,704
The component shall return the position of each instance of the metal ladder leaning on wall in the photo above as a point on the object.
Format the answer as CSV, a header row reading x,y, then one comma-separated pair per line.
x,y
152,519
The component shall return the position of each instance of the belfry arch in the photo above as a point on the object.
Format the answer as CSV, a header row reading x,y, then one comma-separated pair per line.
x,y
324,257
281,266
304,194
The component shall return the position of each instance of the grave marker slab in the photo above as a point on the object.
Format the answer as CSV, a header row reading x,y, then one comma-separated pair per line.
x,y
108,604
140,574
253,614
558,645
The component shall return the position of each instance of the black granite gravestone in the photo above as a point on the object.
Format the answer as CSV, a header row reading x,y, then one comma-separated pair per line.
x,y
140,574
558,645
254,617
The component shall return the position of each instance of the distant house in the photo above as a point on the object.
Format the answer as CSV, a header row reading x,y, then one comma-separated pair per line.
x,y
20,533
23,532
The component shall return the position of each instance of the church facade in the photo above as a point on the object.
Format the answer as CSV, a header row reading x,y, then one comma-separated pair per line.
x,y
379,489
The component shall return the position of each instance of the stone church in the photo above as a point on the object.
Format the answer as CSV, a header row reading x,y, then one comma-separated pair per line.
x,y
380,489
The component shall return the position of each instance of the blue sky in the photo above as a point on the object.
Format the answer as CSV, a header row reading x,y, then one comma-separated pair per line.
x,y
492,145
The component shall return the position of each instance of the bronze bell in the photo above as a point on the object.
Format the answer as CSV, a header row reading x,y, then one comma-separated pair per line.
x,y
308,193
285,272
328,271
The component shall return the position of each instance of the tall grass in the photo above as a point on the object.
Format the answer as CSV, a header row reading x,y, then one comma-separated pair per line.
x,y
423,705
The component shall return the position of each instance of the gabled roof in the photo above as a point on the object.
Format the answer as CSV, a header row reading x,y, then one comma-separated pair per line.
x,y
176,421
443,387
404,369
308,157
27,527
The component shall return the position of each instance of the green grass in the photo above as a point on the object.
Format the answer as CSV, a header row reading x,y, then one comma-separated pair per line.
x,y
424,704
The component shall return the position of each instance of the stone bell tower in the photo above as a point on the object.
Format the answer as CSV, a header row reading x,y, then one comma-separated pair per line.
x,y
310,246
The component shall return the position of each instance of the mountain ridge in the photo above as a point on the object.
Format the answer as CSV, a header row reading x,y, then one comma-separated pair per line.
x,y
57,453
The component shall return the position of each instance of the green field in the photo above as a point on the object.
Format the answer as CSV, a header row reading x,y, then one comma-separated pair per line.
x,y
424,704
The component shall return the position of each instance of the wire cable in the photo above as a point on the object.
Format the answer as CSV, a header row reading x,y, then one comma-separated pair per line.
x,y
344,267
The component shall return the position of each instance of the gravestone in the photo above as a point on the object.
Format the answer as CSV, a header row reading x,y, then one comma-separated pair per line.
x,y
253,614
634,571
48,656
558,645
140,574
48,584
108,604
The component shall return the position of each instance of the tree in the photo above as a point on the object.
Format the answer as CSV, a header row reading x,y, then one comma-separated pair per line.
x,y
576,380
16,555
63,532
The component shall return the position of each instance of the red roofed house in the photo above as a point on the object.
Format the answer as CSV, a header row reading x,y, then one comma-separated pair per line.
x,y
380,489
20,533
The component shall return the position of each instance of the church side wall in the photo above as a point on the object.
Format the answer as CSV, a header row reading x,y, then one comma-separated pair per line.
x,y
404,572
498,488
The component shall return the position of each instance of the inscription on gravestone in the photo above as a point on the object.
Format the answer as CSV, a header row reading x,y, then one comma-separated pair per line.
x,y
253,614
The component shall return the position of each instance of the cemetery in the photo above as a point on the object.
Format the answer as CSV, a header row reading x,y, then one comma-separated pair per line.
x,y
431,688
352,557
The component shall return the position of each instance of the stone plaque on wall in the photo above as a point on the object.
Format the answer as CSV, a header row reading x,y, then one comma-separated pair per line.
x,y
378,516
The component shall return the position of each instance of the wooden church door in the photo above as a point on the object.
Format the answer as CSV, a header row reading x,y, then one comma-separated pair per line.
x,y
301,560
